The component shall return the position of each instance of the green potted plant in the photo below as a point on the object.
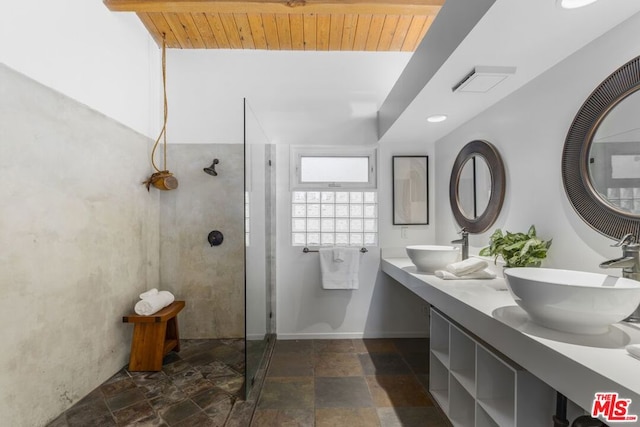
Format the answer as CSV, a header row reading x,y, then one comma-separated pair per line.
x,y
517,249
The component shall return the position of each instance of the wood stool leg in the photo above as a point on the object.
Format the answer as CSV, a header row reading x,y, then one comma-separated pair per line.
x,y
147,348
173,333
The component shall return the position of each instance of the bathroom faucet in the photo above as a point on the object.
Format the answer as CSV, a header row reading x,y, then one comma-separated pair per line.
x,y
465,242
630,264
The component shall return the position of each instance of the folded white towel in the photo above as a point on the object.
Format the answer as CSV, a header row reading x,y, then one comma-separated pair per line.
x,y
340,275
470,265
151,292
634,350
482,274
338,255
154,303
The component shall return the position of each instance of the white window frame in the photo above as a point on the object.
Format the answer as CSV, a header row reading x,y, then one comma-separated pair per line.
x,y
299,151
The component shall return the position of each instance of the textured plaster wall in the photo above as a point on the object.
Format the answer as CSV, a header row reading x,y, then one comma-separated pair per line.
x,y
209,279
79,238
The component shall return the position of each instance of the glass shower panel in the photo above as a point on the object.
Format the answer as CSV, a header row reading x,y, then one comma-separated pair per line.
x,y
258,243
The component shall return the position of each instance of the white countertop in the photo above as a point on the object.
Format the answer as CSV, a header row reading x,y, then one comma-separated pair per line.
x,y
578,366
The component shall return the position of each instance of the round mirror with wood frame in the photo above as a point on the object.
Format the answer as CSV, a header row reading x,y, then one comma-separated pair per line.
x,y
602,215
483,220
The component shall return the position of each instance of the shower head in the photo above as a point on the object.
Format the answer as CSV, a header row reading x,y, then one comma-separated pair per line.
x,y
211,170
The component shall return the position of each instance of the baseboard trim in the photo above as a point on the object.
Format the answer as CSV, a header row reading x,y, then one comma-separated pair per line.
x,y
350,335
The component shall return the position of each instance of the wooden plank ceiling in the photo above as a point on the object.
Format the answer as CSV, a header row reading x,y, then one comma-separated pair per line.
x,y
348,25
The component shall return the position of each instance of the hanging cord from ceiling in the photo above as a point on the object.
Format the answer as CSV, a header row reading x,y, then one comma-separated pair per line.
x,y
163,131
162,179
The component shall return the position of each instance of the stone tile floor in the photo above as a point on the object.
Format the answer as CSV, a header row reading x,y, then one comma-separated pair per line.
x,y
197,387
350,383
315,383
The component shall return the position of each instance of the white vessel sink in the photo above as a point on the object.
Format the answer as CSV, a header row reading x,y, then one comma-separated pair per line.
x,y
429,258
572,301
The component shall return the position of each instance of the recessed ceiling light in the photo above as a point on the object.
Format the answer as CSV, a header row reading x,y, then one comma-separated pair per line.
x,y
574,4
437,118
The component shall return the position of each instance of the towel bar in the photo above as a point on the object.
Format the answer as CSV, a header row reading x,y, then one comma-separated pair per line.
x,y
307,250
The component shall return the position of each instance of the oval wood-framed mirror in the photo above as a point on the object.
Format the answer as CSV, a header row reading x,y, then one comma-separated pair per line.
x,y
601,156
477,186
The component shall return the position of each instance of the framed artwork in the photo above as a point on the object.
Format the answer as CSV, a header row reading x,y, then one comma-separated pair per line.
x,y
410,190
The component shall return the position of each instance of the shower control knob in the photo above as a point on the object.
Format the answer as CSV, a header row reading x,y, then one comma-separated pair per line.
x,y
215,238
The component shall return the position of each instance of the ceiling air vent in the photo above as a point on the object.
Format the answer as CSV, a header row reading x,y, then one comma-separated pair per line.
x,y
482,79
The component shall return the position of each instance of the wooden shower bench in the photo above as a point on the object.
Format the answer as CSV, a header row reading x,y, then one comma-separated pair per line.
x,y
153,337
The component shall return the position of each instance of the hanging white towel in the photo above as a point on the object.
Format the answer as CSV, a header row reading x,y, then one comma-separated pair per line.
x,y
482,274
154,303
339,274
470,265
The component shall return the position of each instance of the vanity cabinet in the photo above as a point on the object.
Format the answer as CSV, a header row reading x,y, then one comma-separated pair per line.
x,y
478,387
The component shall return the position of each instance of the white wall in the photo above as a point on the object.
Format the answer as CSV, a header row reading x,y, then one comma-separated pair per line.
x,y
321,98
79,237
305,310
103,59
314,98
393,236
529,128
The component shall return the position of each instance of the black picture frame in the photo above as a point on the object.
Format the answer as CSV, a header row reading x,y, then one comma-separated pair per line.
x,y
410,190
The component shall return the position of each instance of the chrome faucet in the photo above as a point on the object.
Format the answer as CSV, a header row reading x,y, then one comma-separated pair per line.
x,y
630,264
465,242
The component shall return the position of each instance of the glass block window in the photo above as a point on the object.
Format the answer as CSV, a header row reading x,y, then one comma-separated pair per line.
x,y
334,218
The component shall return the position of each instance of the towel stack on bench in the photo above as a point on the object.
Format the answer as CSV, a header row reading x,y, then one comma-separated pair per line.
x,y
153,301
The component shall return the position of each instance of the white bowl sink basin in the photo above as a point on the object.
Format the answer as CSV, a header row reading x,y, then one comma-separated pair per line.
x,y
429,258
572,301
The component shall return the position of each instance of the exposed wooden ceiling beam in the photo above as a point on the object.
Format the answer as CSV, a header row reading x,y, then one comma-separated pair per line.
x,y
387,7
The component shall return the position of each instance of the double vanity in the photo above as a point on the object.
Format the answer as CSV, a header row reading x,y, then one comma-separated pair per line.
x,y
523,363
500,356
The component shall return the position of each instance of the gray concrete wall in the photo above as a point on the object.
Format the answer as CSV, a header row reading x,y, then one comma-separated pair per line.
x,y
79,238
209,279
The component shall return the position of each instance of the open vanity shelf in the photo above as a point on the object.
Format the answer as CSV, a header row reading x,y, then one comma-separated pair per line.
x,y
477,387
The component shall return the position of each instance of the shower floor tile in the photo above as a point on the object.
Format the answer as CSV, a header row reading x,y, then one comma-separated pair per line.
x,y
314,383
197,387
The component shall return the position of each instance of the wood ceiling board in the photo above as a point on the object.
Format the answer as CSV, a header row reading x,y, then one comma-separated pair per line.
x,y
271,31
205,30
284,30
178,30
309,26
335,32
388,32
413,35
214,24
187,21
297,31
257,30
163,27
349,31
218,30
323,29
231,30
398,7
375,30
362,31
244,30
400,33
